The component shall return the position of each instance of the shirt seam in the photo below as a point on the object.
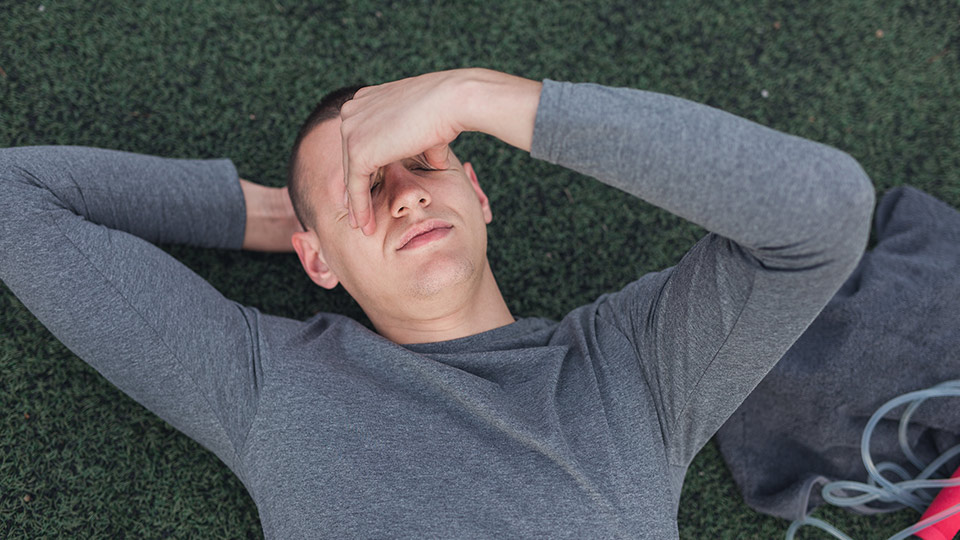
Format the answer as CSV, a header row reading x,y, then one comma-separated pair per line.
x,y
706,368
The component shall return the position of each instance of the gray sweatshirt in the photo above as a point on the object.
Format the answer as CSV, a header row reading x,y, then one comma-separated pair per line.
x,y
578,428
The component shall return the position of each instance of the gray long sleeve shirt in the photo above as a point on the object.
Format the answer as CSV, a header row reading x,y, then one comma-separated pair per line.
x,y
578,428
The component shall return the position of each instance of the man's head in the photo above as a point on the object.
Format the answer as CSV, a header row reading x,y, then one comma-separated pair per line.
x,y
395,272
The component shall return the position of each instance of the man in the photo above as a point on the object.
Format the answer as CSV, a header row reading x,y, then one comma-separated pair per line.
x,y
455,419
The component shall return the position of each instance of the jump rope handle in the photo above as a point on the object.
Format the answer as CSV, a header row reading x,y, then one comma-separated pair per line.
x,y
945,529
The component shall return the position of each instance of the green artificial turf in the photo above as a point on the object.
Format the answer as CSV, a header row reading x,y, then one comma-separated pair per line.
x,y
878,79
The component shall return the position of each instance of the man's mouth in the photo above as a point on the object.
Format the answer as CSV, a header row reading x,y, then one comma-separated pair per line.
x,y
423,233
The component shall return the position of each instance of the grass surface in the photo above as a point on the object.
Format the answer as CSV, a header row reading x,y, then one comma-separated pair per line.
x,y
878,79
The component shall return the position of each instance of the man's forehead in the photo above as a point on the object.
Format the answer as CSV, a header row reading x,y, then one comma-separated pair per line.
x,y
321,155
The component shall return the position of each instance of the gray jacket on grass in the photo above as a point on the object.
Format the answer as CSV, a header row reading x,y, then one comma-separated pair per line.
x,y
578,428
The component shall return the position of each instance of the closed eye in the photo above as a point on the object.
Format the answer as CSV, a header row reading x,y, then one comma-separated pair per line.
x,y
421,164
377,180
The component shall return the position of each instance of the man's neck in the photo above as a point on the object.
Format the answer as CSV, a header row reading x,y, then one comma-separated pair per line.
x,y
482,310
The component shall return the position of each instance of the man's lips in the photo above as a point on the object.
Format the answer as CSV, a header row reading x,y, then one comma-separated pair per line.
x,y
423,232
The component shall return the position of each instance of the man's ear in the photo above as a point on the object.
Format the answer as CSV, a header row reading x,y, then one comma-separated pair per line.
x,y
307,246
484,201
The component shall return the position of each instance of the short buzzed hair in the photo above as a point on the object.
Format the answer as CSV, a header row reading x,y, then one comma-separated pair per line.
x,y
327,109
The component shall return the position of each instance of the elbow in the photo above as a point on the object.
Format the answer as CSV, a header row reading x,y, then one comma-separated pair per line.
x,y
13,166
10,174
850,212
9,159
7,168
22,185
28,173
860,195
829,220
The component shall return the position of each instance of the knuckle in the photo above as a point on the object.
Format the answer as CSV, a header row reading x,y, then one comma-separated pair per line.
x,y
346,126
348,107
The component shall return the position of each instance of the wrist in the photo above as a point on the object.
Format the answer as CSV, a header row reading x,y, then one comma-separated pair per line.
x,y
498,104
270,219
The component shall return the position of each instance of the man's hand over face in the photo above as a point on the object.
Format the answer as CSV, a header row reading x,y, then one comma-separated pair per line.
x,y
424,114
393,121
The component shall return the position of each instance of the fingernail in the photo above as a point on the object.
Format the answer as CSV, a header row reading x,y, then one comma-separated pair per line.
x,y
353,220
346,198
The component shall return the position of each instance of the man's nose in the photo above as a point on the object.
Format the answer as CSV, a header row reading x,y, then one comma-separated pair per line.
x,y
406,192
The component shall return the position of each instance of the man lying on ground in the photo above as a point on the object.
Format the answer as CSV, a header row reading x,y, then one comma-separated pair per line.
x,y
453,419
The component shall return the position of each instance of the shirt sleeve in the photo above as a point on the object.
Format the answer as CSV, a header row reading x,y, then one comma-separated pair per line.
x,y
788,221
76,226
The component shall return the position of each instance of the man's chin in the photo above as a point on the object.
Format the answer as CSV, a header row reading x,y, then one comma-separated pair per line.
x,y
442,276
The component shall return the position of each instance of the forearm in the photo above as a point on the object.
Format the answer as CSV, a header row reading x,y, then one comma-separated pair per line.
x,y
789,199
162,200
499,104
270,219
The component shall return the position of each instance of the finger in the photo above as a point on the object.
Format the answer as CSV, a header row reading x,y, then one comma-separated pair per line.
x,y
363,91
371,226
346,206
346,176
438,157
357,180
360,205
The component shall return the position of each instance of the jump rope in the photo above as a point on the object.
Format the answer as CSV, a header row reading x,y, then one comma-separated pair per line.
x,y
941,514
